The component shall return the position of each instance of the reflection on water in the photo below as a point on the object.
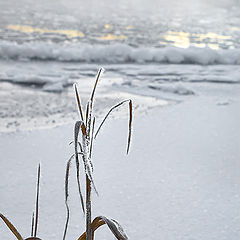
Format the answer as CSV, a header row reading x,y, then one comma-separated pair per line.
x,y
69,33
129,27
178,39
235,28
29,29
110,37
185,39
178,23
107,26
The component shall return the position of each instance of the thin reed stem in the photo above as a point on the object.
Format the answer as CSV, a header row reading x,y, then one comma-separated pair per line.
x,y
88,209
37,202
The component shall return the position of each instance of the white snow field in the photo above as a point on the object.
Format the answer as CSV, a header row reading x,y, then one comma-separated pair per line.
x,y
181,179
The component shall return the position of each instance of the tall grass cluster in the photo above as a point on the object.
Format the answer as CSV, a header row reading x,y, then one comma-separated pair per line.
x,y
84,135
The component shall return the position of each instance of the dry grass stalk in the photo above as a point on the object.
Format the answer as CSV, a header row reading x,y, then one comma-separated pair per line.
x,y
34,221
11,227
37,202
86,128
113,225
32,229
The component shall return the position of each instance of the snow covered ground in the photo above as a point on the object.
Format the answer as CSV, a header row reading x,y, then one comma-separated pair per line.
x,y
180,180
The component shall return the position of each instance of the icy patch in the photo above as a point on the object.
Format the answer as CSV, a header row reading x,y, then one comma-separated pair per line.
x,y
179,90
54,87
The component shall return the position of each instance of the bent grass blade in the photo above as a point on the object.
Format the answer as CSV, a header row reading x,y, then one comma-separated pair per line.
x,y
11,227
66,195
76,133
113,225
130,120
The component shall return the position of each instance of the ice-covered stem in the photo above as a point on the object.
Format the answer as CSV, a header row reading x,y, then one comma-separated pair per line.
x,y
85,157
88,209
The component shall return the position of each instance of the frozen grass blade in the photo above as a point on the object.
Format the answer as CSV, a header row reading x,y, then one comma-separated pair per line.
x,y
96,82
76,133
37,201
87,146
11,227
130,120
88,119
78,101
91,145
90,104
66,195
87,113
130,125
86,160
114,107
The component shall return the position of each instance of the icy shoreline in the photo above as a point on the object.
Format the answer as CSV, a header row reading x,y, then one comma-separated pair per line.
x,y
180,181
117,53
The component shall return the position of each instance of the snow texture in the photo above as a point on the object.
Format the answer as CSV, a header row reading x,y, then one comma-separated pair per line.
x,y
180,180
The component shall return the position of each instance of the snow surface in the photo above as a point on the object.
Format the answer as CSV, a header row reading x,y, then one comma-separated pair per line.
x,y
180,180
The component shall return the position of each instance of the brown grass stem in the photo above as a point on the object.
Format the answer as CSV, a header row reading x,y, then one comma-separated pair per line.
x,y
37,201
11,227
88,209
32,229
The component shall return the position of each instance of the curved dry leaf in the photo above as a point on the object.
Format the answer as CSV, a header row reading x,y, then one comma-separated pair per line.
x,y
113,225
66,195
33,238
11,227
130,120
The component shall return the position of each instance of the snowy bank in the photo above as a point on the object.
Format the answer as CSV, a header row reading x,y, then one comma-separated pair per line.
x,y
180,181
